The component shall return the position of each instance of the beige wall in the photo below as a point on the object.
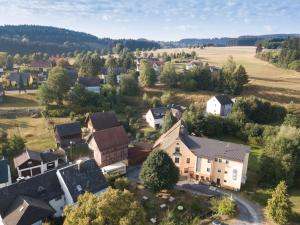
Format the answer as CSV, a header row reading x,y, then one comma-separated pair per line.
x,y
217,170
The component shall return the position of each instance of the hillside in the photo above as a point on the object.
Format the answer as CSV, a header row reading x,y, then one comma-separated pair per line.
x,y
225,41
25,39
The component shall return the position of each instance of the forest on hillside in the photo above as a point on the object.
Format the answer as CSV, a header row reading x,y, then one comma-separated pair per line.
x,y
27,39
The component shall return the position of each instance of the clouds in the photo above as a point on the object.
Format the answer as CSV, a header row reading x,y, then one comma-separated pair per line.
x,y
190,16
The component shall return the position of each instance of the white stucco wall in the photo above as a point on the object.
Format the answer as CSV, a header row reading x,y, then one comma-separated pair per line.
x,y
213,106
9,178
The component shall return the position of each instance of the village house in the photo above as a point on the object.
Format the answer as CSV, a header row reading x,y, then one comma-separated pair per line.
x,y
102,120
91,84
206,160
108,139
2,93
32,201
68,134
1,70
156,64
219,105
193,64
41,65
84,176
19,80
155,116
31,163
5,175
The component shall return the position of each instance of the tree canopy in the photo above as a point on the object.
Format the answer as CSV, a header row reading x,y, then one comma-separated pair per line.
x,y
147,74
114,207
279,206
159,171
56,87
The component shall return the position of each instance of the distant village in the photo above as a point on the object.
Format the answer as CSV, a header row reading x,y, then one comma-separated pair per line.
x,y
104,140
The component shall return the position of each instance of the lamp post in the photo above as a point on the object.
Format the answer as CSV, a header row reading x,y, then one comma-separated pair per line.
x,y
72,143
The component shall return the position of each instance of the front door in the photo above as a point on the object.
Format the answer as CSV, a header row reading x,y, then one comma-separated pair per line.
x,y
218,181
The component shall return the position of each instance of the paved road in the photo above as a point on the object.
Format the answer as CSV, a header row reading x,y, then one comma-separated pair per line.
x,y
13,92
249,214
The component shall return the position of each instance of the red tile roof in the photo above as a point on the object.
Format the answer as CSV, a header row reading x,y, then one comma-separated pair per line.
x,y
41,64
111,138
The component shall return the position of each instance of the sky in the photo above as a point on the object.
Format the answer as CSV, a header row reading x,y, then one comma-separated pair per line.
x,y
165,20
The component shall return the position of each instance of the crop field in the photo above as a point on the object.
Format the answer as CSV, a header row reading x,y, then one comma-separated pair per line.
x,y
266,80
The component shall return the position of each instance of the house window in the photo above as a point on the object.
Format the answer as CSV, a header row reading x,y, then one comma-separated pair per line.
x,y
50,166
225,172
225,181
216,159
187,160
186,170
176,160
208,169
227,161
208,161
234,174
220,160
219,171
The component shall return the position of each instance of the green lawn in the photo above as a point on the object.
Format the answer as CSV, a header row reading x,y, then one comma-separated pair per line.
x,y
37,132
12,101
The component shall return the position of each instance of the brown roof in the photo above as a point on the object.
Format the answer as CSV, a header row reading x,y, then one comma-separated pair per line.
x,y
41,64
201,146
103,120
110,138
26,155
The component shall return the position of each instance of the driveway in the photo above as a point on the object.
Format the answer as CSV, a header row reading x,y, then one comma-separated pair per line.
x,y
249,213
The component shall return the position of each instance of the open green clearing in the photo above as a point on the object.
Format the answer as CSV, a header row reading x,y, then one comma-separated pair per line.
x,y
266,80
17,101
38,132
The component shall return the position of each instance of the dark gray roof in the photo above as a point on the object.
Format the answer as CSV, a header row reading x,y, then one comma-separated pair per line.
x,y
210,148
68,129
159,113
51,156
223,99
104,120
26,211
82,177
16,76
89,81
26,155
201,146
47,156
3,171
44,187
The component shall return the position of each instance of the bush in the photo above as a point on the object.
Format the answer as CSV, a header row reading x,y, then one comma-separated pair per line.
x,y
122,183
224,206
61,112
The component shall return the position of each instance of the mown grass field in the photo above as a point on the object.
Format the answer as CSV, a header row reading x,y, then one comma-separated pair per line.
x,y
37,132
17,101
266,80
